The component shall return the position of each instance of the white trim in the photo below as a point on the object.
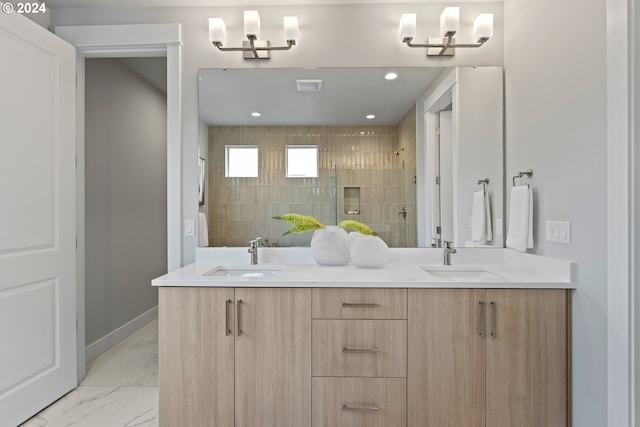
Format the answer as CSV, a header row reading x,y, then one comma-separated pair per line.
x,y
444,94
98,38
80,218
102,41
98,347
620,211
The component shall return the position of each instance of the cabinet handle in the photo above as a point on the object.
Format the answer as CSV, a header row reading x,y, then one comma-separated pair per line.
x,y
360,304
360,408
494,310
481,326
239,317
360,350
228,303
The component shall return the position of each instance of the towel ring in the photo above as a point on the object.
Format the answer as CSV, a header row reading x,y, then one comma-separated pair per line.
x,y
484,183
527,173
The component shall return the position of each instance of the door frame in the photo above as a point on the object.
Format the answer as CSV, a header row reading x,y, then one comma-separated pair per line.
x,y
623,239
118,41
444,94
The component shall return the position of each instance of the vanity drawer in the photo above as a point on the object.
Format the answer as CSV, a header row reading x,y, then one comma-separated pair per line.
x,y
359,348
359,402
356,303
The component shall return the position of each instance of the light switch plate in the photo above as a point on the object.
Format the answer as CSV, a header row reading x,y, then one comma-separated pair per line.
x,y
189,227
558,231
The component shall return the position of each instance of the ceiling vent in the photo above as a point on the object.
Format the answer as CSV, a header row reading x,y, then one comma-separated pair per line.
x,y
309,85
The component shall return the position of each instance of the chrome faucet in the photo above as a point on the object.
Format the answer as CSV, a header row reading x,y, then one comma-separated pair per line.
x,y
253,249
448,250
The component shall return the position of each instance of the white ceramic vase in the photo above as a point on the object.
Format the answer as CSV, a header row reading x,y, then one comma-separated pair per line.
x,y
368,251
330,246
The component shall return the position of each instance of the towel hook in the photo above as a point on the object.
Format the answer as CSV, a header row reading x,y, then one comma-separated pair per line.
x,y
484,183
527,173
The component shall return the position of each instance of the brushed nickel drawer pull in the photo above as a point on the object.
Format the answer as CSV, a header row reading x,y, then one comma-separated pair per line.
x,y
239,318
360,408
481,327
228,330
494,309
360,350
360,304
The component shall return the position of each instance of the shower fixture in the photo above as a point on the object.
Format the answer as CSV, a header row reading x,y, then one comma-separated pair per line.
x,y
397,152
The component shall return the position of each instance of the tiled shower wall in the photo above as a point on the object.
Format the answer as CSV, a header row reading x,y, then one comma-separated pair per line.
x,y
360,156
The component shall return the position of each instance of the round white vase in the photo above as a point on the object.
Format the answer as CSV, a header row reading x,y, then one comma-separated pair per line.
x,y
368,251
330,246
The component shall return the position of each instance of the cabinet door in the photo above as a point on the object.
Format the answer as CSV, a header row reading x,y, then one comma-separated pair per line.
x,y
445,379
273,357
196,357
527,358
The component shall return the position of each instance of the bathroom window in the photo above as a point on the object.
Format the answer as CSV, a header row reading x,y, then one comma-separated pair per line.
x,y
302,161
241,161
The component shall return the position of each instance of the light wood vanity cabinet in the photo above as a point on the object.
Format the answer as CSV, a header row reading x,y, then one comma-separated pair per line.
x,y
381,357
495,358
235,357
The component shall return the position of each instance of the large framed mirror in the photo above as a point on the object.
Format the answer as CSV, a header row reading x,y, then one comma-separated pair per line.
x,y
403,155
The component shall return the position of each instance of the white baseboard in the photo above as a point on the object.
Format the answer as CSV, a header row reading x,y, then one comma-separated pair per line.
x,y
103,344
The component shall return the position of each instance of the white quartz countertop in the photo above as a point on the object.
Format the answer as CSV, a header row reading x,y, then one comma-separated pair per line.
x,y
392,275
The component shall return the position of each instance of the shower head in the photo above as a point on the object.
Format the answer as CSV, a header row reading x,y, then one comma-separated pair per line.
x,y
397,152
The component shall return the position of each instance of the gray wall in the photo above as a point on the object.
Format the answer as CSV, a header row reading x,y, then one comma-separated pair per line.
x,y
126,195
556,125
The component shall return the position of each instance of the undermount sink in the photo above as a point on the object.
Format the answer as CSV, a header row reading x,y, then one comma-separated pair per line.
x,y
245,271
463,274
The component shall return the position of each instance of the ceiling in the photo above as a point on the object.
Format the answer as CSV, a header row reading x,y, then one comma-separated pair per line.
x,y
228,97
187,3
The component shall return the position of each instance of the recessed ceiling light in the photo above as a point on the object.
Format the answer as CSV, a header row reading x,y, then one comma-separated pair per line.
x,y
391,76
256,114
371,116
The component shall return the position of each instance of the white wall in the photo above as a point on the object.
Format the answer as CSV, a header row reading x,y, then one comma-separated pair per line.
x,y
479,153
126,195
330,36
556,125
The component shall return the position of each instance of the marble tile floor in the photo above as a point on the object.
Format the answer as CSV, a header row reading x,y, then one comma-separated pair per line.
x,y
120,388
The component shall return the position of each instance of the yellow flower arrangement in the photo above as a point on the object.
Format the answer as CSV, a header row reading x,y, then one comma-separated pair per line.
x,y
304,223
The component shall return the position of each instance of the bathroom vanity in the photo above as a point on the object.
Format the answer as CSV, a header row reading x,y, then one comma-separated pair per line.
x,y
411,344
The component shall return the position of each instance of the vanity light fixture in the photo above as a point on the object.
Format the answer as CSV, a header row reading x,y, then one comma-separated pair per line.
x,y
449,25
253,48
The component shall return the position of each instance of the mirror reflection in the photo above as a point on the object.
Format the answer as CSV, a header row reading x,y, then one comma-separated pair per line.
x,y
335,144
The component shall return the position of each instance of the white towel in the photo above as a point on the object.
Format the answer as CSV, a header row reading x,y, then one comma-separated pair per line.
x,y
203,232
520,233
481,230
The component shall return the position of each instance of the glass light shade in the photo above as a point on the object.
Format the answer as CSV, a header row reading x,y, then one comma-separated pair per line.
x,y
290,27
449,20
217,30
252,23
483,27
407,26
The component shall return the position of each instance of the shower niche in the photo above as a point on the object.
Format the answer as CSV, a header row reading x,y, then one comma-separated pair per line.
x,y
352,200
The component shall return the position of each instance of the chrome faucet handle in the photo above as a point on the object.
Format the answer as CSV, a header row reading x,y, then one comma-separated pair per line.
x,y
255,242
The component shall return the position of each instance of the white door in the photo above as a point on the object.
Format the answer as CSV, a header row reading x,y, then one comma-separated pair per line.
x,y
37,219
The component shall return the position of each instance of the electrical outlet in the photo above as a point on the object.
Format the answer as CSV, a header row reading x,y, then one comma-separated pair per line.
x,y
558,231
